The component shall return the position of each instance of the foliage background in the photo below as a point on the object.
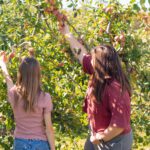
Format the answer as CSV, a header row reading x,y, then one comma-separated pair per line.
x,y
24,24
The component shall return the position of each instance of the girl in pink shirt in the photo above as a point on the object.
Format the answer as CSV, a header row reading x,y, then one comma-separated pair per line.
x,y
31,107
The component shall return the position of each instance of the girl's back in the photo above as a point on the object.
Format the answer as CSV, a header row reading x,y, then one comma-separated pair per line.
x,y
30,125
31,107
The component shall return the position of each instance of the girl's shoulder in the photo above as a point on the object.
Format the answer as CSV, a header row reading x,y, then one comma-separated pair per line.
x,y
45,95
113,83
45,101
113,86
11,94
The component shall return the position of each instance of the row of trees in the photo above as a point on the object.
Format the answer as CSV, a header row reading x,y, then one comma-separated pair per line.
x,y
25,24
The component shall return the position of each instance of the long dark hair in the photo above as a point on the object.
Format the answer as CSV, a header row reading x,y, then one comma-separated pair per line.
x,y
28,82
106,63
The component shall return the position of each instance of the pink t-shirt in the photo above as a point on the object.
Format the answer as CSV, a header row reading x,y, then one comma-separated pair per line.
x,y
30,125
114,108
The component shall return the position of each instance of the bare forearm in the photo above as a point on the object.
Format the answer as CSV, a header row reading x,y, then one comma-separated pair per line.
x,y
77,48
110,133
51,139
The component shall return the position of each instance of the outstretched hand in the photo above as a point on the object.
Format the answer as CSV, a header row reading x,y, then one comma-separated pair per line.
x,y
3,60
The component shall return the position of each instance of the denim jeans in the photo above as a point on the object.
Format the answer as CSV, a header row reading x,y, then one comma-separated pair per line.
x,y
29,144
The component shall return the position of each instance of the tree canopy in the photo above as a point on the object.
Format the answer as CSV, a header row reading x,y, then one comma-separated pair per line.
x,y
25,23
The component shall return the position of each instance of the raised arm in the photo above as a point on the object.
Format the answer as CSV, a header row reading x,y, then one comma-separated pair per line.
x,y
3,66
77,48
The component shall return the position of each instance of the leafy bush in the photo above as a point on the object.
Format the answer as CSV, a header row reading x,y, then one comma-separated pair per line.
x,y
25,24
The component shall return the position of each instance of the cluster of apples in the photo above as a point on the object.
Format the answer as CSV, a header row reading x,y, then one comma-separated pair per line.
x,y
7,57
54,10
120,39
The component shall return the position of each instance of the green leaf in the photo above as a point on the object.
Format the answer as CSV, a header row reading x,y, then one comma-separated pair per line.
x,y
71,5
142,2
1,2
132,1
144,8
136,7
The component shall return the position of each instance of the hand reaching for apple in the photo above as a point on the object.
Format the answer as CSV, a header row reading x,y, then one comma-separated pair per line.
x,y
3,60
54,10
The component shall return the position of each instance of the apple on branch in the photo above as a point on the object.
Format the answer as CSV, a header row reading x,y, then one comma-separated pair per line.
x,y
61,64
11,55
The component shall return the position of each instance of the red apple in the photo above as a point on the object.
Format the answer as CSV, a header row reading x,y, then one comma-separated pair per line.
x,y
61,64
11,55
55,12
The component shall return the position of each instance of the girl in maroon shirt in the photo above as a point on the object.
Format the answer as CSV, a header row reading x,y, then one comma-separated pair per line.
x,y
107,102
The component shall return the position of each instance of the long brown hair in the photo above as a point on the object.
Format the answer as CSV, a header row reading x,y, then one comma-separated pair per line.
x,y
28,82
106,63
